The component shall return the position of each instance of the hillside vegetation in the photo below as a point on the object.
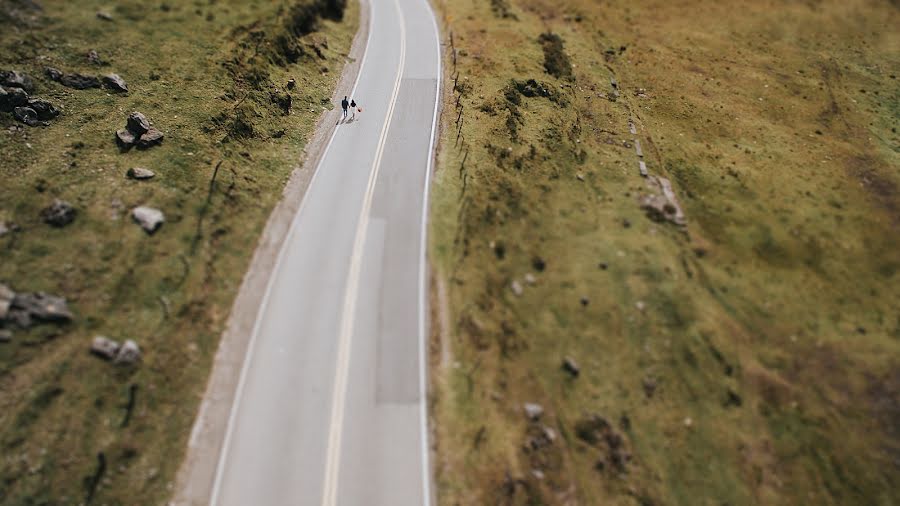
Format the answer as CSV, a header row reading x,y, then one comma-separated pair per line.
x,y
212,77
748,356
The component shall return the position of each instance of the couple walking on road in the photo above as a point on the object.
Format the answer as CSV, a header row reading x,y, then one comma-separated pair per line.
x,y
353,109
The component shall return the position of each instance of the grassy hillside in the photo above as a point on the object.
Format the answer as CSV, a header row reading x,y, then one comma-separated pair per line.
x,y
212,76
749,357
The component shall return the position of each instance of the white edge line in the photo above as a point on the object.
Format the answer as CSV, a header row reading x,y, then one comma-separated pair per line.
x,y
423,282
223,456
351,294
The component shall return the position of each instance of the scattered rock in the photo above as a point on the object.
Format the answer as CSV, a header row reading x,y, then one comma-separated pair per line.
x,y
44,109
140,173
53,74
626,223
125,138
129,353
4,228
79,82
10,98
152,138
733,399
105,16
596,431
15,79
148,218
58,214
105,347
94,57
530,279
640,305
603,266
570,366
539,264
137,124
6,299
688,422
291,84
27,115
516,288
5,336
533,411
579,176
42,307
584,301
115,83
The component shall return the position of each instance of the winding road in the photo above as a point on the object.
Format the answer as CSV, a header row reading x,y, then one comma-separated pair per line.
x,y
330,407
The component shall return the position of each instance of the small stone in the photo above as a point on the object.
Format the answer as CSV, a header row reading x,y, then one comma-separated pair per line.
x,y
105,16
129,353
94,57
570,366
580,177
291,84
148,218
640,305
10,98
584,301
538,474
79,82
6,298
649,384
5,336
533,411
125,138
626,223
27,115
104,347
688,422
44,109
15,79
530,279
152,138
603,266
539,264
516,288
137,124
59,214
4,228
115,83
140,173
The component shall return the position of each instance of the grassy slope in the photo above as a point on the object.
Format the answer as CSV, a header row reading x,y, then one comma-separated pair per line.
x,y
191,69
770,325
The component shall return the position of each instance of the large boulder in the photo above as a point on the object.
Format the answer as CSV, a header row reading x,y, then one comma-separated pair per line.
x,y
42,307
115,83
148,218
44,109
10,98
15,79
137,124
79,81
27,115
59,214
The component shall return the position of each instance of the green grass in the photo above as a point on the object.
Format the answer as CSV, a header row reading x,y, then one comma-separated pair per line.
x,y
195,69
777,130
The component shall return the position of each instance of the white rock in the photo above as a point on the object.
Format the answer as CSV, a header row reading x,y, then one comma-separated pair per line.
x,y
533,411
516,287
104,347
530,279
129,353
148,218
140,173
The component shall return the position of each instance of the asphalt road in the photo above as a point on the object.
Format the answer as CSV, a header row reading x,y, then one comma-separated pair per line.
x,y
330,406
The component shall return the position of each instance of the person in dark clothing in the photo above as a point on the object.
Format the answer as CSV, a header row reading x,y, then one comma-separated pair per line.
x,y
352,108
344,106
